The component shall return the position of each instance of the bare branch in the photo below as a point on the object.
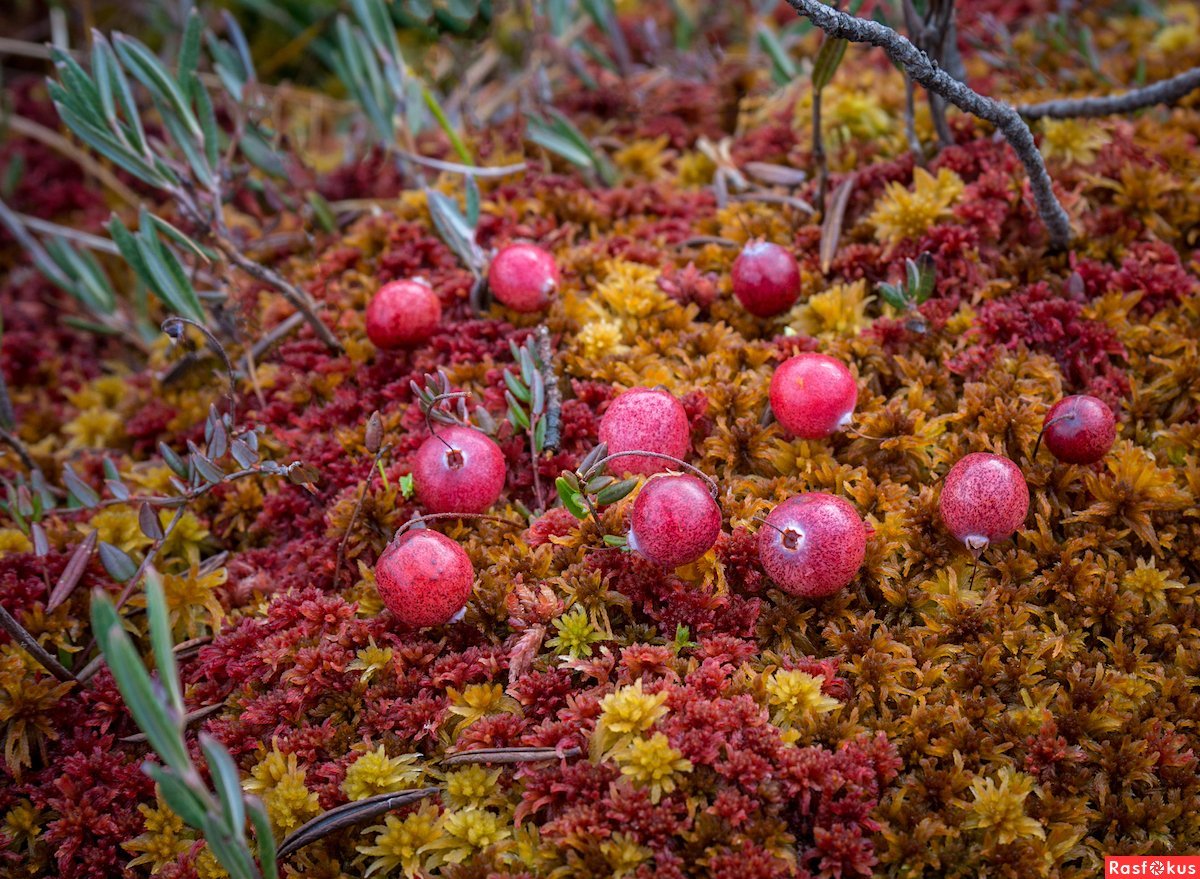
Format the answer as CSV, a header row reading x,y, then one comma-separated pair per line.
x,y
21,635
1167,91
937,80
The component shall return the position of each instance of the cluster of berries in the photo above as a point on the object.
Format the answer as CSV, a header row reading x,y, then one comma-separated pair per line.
x,y
812,545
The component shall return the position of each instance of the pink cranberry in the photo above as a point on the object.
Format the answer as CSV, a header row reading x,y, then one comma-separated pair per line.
x,y
424,578
812,544
646,420
674,521
984,500
403,313
813,395
460,470
523,277
766,279
1079,430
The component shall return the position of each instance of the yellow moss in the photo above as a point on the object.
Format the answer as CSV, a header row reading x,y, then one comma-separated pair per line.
x,y
624,854
652,763
374,772
839,311
118,526
901,214
1074,141
161,841
472,785
998,807
796,696
599,338
476,701
23,822
1149,583
12,540
468,831
369,660
625,714
403,842
279,780
644,159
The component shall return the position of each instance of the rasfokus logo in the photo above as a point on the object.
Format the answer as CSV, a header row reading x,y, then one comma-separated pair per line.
x,y
1152,865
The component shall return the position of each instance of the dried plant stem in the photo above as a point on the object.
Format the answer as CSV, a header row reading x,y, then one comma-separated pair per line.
x,y
1167,91
21,635
12,441
280,331
430,517
362,496
456,168
818,151
932,77
599,465
148,558
553,416
188,719
508,755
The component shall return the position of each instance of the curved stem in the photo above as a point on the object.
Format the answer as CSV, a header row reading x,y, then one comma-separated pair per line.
x,y
362,496
172,326
763,519
1042,433
429,517
713,488
1166,91
433,404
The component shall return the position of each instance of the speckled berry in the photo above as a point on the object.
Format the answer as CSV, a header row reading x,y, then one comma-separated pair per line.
x,y
812,544
648,420
674,520
1079,430
460,470
766,279
984,500
813,395
403,313
523,277
424,578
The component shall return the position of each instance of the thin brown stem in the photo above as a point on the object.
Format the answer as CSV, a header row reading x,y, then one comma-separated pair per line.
x,y
21,635
1041,433
818,152
592,471
430,517
362,496
433,404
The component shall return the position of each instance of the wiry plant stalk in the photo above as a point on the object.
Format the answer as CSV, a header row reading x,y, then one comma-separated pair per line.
x,y
929,75
1167,91
22,636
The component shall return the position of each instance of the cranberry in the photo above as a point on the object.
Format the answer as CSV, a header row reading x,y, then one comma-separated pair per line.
x,y
812,544
674,521
984,499
460,470
424,578
766,279
648,420
1079,430
813,395
523,277
403,313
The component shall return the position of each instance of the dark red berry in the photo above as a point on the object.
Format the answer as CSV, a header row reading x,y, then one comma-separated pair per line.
x,y
424,578
812,544
1080,429
460,470
674,521
648,420
813,395
766,279
984,500
523,277
403,313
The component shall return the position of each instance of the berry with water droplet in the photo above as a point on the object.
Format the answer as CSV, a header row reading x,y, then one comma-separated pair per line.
x,y
812,544
674,520
766,279
646,420
458,470
403,313
984,500
1079,429
424,578
813,395
523,277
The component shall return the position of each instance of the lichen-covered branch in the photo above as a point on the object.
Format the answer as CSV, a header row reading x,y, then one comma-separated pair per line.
x,y
545,352
935,79
1167,91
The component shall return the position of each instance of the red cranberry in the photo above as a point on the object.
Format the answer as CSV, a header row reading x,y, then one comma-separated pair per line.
x,y
460,470
1079,430
424,578
813,395
812,544
766,279
523,277
403,313
674,521
648,420
984,499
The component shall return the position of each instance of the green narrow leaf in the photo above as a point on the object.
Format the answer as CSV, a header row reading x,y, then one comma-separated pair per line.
x,y
79,489
615,492
162,642
829,56
176,794
135,685
266,839
111,149
231,853
117,562
539,435
570,498
443,122
472,201
518,390
145,67
118,82
208,125
189,55
225,779
783,68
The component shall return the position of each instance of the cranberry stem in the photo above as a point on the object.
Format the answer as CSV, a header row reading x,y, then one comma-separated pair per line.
x,y
708,480
1042,432
433,404
362,496
427,517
